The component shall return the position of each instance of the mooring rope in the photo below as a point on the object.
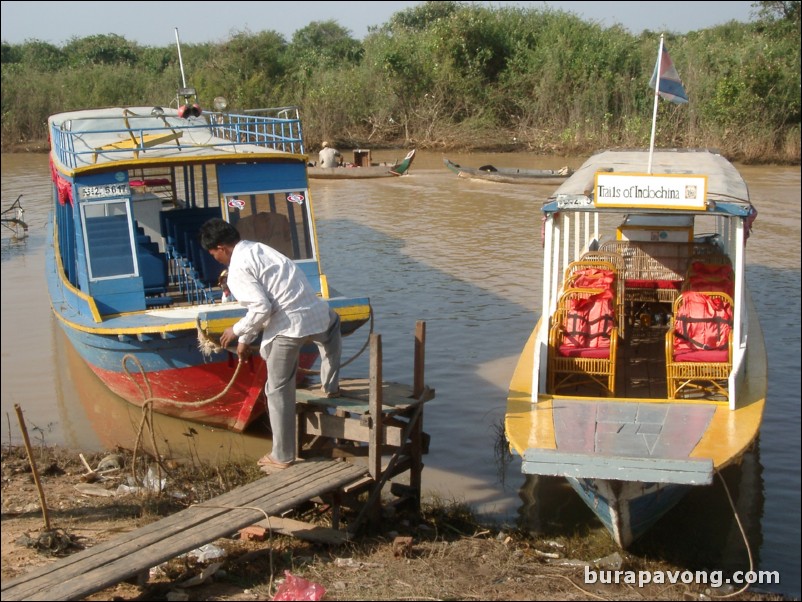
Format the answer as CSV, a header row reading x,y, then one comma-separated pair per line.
x,y
147,407
206,346
743,534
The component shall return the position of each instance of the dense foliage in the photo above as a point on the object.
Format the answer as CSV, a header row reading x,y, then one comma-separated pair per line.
x,y
450,75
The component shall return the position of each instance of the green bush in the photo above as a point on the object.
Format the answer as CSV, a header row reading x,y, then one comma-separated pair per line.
x,y
450,74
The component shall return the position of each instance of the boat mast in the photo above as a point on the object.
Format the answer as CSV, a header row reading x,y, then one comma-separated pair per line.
x,y
656,100
190,107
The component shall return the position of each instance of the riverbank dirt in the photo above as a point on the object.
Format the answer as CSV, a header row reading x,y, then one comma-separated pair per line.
x,y
442,554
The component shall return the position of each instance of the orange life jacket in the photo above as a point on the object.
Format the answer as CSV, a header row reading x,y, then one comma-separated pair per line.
x,y
702,323
588,321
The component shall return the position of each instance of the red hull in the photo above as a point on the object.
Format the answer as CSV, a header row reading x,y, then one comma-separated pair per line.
x,y
185,393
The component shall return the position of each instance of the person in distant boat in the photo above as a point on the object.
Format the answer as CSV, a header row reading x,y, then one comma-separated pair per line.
x,y
329,156
222,282
283,307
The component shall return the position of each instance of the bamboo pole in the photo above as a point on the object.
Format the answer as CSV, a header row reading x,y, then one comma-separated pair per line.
x,y
36,480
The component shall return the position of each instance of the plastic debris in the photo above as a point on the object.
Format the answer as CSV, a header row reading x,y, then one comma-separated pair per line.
x,y
298,588
202,577
207,552
152,482
111,462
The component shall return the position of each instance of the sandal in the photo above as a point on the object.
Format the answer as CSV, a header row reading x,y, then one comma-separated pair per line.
x,y
267,461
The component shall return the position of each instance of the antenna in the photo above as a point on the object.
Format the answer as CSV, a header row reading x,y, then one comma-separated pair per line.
x,y
180,60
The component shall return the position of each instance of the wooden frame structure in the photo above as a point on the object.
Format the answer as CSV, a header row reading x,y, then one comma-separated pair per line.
x,y
372,419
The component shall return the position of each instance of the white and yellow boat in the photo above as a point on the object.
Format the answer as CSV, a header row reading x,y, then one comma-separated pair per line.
x,y
646,372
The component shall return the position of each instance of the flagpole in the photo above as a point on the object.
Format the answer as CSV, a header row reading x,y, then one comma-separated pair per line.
x,y
656,98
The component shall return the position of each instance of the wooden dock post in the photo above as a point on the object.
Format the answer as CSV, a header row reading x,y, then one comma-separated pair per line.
x,y
375,403
416,436
375,397
376,420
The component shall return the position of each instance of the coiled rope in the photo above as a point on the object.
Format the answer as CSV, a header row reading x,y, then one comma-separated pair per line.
x,y
207,346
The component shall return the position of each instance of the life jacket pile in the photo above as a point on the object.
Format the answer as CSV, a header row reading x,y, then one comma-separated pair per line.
x,y
702,326
710,277
587,325
592,278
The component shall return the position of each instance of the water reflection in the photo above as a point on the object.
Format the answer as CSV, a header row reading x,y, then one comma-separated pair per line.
x,y
12,247
116,423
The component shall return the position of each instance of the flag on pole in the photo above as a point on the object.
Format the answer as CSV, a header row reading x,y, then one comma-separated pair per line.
x,y
671,87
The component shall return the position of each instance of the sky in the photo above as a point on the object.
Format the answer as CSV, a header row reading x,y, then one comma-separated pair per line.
x,y
155,23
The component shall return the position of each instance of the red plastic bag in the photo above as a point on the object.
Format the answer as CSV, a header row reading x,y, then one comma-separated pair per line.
x,y
298,588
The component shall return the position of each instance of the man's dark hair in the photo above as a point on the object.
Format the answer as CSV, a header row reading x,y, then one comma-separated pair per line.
x,y
216,232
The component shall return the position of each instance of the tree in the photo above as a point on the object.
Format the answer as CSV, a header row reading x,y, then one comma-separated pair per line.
x,y
325,43
35,54
773,10
102,49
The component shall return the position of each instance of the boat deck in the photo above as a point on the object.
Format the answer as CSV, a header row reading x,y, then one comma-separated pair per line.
x,y
642,365
641,382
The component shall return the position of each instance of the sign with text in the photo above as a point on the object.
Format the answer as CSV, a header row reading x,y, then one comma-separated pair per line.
x,y
650,191
103,191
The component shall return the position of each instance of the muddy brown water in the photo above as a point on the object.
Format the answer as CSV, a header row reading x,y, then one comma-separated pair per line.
x,y
463,256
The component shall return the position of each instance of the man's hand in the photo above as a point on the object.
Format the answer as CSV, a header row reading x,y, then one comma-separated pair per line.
x,y
227,338
243,351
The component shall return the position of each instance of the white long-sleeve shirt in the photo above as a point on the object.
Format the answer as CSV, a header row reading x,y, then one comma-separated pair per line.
x,y
276,293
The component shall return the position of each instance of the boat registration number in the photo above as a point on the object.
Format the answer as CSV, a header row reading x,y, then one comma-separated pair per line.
x,y
103,191
573,202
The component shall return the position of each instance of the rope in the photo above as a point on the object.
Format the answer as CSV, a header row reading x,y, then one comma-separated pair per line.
x,y
149,399
208,346
743,534
357,354
147,408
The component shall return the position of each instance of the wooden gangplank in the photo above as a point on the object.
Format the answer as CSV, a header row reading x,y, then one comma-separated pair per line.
x,y
109,563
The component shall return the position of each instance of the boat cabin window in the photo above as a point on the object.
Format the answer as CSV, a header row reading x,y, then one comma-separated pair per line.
x,y
107,239
277,219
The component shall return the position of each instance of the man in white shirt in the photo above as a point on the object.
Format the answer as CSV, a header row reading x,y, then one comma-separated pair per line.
x,y
329,156
283,307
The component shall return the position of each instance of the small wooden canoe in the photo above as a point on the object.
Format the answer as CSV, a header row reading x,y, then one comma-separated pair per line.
x,y
355,171
510,175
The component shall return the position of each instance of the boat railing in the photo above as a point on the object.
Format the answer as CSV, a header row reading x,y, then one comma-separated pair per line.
x,y
80,141
275,128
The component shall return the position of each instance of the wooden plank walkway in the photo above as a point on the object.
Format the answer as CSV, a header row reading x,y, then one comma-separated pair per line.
x,y
109,563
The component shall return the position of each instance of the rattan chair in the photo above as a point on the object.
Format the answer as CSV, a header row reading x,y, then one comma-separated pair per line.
x,y
583,341
713,273
699,345
604,261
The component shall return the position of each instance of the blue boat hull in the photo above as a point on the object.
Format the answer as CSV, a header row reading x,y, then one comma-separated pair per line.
x,y
628,509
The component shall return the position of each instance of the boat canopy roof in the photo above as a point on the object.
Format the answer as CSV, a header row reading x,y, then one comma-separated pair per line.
x,y
727,193
97,138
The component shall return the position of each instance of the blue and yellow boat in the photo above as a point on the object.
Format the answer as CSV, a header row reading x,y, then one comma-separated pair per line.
x,y
128,280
